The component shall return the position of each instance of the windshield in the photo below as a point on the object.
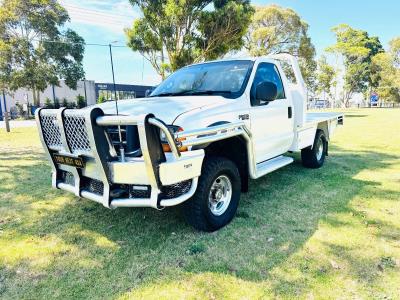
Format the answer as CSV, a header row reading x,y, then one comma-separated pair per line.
x,y
226,78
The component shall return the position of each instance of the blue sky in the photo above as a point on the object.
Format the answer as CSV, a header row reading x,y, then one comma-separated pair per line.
x,y
102,22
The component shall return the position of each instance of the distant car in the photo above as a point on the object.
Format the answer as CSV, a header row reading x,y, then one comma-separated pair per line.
x,y
321,103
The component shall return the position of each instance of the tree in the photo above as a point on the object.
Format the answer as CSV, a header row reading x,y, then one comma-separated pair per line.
x,y
35,51
80,101
395,50
274,30
172,33
326,75
386,73
357,49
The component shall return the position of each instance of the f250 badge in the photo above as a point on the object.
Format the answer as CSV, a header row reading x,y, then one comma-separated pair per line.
x,y
244,117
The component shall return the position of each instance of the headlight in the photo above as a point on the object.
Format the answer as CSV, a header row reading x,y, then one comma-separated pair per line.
x,y
173,129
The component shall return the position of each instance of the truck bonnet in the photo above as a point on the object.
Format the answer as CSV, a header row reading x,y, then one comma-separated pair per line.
x,y
164,108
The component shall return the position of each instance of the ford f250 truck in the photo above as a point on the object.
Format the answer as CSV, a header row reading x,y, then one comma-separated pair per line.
x,y
195,141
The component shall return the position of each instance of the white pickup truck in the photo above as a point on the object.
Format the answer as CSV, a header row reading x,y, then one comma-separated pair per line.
x,y
196,140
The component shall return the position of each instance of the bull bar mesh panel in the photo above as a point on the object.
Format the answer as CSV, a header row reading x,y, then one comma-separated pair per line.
x,y
51,130
93,185
67,177
76,132
176,190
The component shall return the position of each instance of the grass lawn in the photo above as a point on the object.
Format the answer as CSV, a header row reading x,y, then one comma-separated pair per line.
x,y
331,233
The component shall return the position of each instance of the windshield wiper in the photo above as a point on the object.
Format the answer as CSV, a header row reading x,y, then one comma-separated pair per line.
x,y
163,95
207,92
170,94
193,92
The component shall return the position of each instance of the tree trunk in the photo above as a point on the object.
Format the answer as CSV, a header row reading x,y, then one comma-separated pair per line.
x,y
162,64
348,97
36,97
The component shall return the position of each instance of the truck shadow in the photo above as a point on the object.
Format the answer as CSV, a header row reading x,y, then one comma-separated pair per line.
x,y
133,246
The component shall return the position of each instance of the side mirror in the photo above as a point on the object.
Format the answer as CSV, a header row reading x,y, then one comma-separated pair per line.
x,y
148,92
266,91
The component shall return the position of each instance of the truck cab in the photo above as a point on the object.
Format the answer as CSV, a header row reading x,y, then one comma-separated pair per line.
x,y
195,141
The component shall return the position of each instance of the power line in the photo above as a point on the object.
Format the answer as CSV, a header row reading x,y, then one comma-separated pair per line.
x,y
84,43
97,16
104,20
103,17
87,44
93,17
94,11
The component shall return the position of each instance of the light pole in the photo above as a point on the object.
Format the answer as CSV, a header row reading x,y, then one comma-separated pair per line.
x,y
113,76
121,146
6,113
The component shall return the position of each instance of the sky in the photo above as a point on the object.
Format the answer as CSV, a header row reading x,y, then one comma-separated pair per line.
x,y
103,22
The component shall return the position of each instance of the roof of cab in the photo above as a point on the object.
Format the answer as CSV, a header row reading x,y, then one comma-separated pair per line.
x,y
233,59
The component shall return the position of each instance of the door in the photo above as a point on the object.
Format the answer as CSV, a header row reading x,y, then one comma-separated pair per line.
x,y
271,122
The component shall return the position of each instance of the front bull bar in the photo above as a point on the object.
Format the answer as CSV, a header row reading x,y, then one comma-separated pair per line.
x,y
101,157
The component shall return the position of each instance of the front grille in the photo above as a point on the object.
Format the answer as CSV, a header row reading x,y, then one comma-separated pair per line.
x,y
130,140
76,132
113,132
67,177
93,186
51,130
176,190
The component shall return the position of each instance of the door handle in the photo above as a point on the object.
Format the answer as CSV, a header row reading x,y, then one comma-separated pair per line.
x,y
289,112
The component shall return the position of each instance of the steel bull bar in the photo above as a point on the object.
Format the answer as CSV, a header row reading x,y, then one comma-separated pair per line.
x,y
158,179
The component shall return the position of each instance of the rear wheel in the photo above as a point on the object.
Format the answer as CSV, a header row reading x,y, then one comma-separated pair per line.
x,y
315,157
217,196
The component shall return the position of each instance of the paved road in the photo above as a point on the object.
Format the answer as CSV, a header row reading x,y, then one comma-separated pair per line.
x,y
19,124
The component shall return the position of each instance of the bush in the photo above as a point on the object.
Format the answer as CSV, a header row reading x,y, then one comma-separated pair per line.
x,y
48,103
101,99
80,101
71,105
64,103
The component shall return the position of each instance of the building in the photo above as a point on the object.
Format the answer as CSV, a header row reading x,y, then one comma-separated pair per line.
x,y
124,91
87,88
24,96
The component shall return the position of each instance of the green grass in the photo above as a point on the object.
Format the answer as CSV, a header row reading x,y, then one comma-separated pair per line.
x,y
331,233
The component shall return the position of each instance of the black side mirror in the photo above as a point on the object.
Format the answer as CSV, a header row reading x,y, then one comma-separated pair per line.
x,y
266,91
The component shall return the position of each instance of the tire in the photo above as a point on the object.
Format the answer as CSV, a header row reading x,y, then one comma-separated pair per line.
x,y
204,211
314,157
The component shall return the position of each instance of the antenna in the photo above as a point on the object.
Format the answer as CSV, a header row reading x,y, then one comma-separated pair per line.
x,y
121,146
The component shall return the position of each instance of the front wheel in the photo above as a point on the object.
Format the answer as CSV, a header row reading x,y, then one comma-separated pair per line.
x,y
315,157
217,196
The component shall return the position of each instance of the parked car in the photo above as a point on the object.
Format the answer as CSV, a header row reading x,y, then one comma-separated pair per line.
x,y
320,103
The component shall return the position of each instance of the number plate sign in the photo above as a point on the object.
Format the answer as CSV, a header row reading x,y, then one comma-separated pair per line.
x,y
76,162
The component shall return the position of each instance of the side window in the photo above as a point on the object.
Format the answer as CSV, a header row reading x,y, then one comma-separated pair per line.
x,y
267,72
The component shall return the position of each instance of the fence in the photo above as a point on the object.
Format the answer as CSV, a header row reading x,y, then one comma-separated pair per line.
x,y
353,105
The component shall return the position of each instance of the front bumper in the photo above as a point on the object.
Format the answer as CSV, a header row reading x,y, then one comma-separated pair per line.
x,y
155,179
